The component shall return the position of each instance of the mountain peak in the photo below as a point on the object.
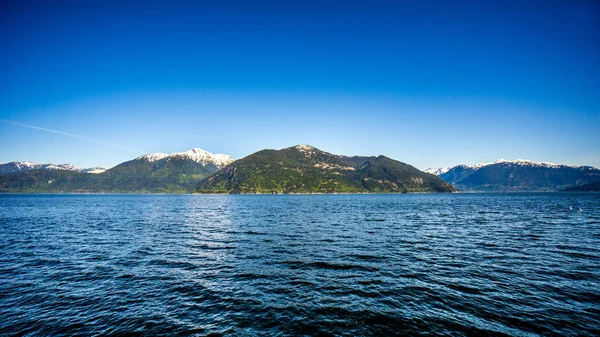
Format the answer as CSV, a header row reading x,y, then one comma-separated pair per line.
x,y
196,154
310,151
438,170
197,150
305,147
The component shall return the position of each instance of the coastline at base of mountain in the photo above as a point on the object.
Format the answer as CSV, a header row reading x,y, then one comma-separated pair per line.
x,y
591,187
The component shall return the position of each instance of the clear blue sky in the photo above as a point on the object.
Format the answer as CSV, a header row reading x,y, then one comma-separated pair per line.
x,y
430,83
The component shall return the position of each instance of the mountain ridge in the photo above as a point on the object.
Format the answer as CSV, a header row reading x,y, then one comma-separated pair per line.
x,y
298,169
516,176
441,170
179,172
306,169
21,166
196,154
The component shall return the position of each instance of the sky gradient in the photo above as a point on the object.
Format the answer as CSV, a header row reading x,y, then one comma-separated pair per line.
x,y
432,83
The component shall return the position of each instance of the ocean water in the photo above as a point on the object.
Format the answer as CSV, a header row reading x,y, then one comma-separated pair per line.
x,y
300,265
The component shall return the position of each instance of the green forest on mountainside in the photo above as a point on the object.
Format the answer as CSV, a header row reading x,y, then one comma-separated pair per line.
x,y
304,169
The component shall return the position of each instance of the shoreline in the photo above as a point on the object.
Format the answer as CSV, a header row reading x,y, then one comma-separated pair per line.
x,y
315,193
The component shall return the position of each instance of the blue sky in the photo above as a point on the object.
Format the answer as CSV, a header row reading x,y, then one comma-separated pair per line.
x,y
430,83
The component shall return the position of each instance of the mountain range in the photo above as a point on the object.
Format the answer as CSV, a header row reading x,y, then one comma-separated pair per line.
x,y
516,176
297,169
152,173
22,166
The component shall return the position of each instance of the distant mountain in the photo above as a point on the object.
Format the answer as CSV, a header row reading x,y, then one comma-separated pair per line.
x,y
436,171
49,181
457,173
454,174
591,187
151,173
22,166
518,176
306,169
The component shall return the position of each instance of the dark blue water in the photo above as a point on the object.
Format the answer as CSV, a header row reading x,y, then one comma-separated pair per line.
x,y
344,265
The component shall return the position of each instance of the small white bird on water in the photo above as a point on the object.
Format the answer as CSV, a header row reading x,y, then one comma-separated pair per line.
x,y
570,208
580,209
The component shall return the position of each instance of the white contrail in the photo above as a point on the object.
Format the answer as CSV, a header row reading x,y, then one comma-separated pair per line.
x,y
69,134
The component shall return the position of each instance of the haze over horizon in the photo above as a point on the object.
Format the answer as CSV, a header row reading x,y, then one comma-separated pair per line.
x,y
430,84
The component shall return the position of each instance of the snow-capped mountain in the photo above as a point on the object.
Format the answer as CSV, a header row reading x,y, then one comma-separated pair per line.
x,y
198,155
525,162
21,166
516,175
438,171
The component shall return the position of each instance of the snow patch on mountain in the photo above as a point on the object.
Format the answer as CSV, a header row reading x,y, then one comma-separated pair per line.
x,y
66,167
21,166
525,162
438,170
94,170
196,154
153,156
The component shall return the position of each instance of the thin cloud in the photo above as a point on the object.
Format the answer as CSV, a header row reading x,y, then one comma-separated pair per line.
x,y
98,141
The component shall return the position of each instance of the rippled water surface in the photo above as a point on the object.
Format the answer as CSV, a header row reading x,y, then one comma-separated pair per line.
x,y
353,265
